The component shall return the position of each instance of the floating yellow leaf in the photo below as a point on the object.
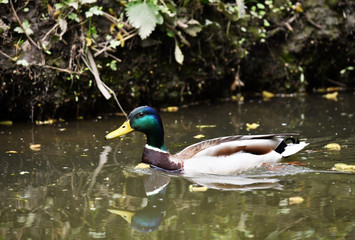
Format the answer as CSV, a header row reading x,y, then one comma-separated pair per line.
x,y
331,96
35,147
267,94
142,166
46,122
295,200
252,126
193,188
333,147
237,98
344,167
11,151
6,123
205,126
199,136
170,109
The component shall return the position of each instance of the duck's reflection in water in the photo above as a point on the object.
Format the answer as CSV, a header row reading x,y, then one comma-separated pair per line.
x,y
149,217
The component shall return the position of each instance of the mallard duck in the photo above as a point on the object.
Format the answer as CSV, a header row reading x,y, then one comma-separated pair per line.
x,y
224,155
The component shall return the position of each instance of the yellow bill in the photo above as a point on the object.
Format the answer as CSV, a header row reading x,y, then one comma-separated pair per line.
x,y
126,215
124,129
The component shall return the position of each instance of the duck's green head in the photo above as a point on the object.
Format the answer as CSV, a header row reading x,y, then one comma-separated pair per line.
x,y
146,120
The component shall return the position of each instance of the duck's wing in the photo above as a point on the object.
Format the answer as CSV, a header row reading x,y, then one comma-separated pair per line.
x,y
257,144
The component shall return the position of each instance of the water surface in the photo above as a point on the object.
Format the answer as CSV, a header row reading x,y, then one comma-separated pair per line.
x,y
76,185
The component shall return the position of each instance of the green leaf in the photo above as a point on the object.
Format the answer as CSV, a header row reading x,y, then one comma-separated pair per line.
x,y
113,65
4,1
26,26
114,43
74,16
260,6
144,16
193,28
87,1
95,10
266,23
18,30
179,57
22,62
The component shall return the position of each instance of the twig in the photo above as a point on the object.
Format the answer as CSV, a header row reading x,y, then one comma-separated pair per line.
x,y
24,30
314,24
57,69
47,34
114,57
108,47
7,56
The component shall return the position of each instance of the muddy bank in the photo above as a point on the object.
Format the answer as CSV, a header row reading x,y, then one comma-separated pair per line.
x,y
197,51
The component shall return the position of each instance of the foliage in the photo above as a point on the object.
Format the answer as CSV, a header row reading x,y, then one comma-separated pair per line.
x,y
167,51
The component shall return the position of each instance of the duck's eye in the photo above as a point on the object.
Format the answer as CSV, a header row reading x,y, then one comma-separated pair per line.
x,y
141,114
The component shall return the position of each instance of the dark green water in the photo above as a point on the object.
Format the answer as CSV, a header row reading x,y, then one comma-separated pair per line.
x,y
75,185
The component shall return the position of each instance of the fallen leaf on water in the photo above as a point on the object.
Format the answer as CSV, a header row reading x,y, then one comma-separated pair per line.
x,y
267,94
252,126
331,96
205,126
46,122
35,147
6,123
11,151
142,166
199,136
333,147
295,200
170,109
344,167
193,188
237,98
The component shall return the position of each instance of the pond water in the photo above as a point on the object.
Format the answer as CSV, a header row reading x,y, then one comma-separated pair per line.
x,y
76,185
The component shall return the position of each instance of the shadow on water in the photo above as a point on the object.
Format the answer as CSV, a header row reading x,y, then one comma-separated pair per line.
x,y
78,186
